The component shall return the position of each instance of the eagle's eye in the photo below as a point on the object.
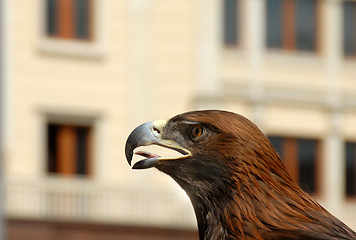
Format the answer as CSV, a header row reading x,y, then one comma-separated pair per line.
x,y
196,132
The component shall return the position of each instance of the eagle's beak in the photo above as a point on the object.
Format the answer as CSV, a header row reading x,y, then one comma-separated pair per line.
x,y
150,133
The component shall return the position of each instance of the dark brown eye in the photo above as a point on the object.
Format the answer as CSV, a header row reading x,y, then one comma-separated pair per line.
x,y
197,131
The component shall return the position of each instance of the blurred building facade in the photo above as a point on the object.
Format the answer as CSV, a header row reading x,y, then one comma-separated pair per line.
x,y
79,75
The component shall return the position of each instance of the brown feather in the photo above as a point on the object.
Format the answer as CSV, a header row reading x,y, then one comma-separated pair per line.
x,y
239,186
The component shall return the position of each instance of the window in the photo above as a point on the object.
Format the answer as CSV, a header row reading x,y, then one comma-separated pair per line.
x,y
68,149
292,24
350,154
301,159
69,19
349,9
231,22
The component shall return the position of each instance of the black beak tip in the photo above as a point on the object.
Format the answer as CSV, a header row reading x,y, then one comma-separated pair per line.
x,y
129,150
146,163
137,166
129,155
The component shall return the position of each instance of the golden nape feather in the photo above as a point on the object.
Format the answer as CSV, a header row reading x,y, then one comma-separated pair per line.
x,y
235,179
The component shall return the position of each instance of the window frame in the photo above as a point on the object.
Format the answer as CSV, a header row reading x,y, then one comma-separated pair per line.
x,y
84,119
95,48
289,156
353,143
238,29
289,29
346,56
65,20
66,161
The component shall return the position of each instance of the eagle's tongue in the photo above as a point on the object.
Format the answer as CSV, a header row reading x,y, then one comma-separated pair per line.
x,y
147,154
149,161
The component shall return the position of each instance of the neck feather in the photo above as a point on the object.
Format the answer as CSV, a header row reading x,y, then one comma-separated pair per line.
x,y
241,207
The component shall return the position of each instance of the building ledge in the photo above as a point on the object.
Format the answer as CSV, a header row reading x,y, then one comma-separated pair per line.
x,y
274,92
86,201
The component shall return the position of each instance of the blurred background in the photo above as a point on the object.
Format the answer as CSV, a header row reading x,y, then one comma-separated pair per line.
x,y
76,76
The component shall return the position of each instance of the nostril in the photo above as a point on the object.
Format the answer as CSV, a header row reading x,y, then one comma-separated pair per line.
x,y
156,130
157,127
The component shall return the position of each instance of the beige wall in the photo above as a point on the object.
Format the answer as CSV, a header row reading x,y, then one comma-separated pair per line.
x,y
124,77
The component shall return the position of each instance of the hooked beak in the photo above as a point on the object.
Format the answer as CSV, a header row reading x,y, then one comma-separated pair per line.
x,y
150,133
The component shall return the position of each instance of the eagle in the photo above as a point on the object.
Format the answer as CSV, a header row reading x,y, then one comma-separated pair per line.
x,y
236,181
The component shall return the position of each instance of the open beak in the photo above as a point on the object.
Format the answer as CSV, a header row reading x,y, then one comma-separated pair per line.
x,y
150,133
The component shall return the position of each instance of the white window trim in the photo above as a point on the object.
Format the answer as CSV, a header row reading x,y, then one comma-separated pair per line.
x,y
83,117
94,48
